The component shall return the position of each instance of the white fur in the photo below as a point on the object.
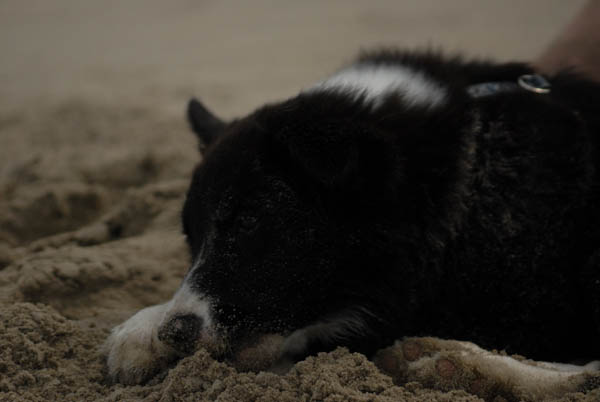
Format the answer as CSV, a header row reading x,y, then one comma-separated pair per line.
x,y
186,301
529,376
537,369
375,82
133,348
526,379
134,351
571,368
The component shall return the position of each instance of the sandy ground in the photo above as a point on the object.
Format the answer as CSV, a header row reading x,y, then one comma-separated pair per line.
x,y
95,158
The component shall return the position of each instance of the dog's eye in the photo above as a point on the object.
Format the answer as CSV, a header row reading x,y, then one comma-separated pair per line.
x,y
248,223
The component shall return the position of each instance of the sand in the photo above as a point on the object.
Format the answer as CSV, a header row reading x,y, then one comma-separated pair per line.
x,y
95,159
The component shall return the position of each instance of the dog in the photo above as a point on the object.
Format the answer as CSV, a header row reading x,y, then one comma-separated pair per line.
x,y
408,194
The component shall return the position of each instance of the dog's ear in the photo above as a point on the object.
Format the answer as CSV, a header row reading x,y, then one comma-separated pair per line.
x,y
206,125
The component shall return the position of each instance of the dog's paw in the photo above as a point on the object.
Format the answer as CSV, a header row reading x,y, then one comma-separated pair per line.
x,y
447,365
134,352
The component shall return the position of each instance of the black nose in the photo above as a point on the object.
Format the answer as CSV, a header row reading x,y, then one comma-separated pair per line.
x,y
181,332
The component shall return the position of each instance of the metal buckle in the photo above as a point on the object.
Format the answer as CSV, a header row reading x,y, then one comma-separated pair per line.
x,y
534,83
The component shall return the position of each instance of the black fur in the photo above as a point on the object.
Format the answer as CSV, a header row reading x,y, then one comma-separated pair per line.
x,y
477,220
206,125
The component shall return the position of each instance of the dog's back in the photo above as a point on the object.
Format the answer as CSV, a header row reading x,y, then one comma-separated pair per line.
x,y
497,239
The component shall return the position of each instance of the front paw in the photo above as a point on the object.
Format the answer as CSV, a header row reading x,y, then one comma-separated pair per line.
x,y
134,352
446,365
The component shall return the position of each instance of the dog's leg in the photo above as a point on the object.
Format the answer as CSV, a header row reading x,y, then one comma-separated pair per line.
x,y
446,365
324,335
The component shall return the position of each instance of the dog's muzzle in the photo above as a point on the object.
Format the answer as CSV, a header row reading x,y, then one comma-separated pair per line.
x,y
181,332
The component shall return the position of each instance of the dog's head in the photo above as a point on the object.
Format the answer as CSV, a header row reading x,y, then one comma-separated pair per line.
x,y
296,212
261,246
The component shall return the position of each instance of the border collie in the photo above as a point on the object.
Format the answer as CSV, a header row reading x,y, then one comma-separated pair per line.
x,y
406,195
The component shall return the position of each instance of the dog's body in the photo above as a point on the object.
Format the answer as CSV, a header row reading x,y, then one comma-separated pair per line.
x,y
386,202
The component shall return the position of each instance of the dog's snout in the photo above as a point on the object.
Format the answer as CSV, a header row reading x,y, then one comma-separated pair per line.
x,y
181,332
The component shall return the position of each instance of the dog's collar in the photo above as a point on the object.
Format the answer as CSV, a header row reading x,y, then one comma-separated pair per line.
x,y
530,82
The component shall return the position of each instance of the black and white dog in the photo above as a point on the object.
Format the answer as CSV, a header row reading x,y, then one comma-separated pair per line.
x,y
406,195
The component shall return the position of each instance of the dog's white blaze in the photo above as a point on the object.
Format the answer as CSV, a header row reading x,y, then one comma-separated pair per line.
x,y
375,82
188,301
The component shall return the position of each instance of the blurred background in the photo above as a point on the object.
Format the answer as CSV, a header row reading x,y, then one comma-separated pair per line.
x,y
237,55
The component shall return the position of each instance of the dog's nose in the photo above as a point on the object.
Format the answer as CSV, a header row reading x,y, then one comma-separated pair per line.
x,y
181,332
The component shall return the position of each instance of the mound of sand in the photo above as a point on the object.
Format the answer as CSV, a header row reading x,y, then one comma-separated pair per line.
x,y
89,205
